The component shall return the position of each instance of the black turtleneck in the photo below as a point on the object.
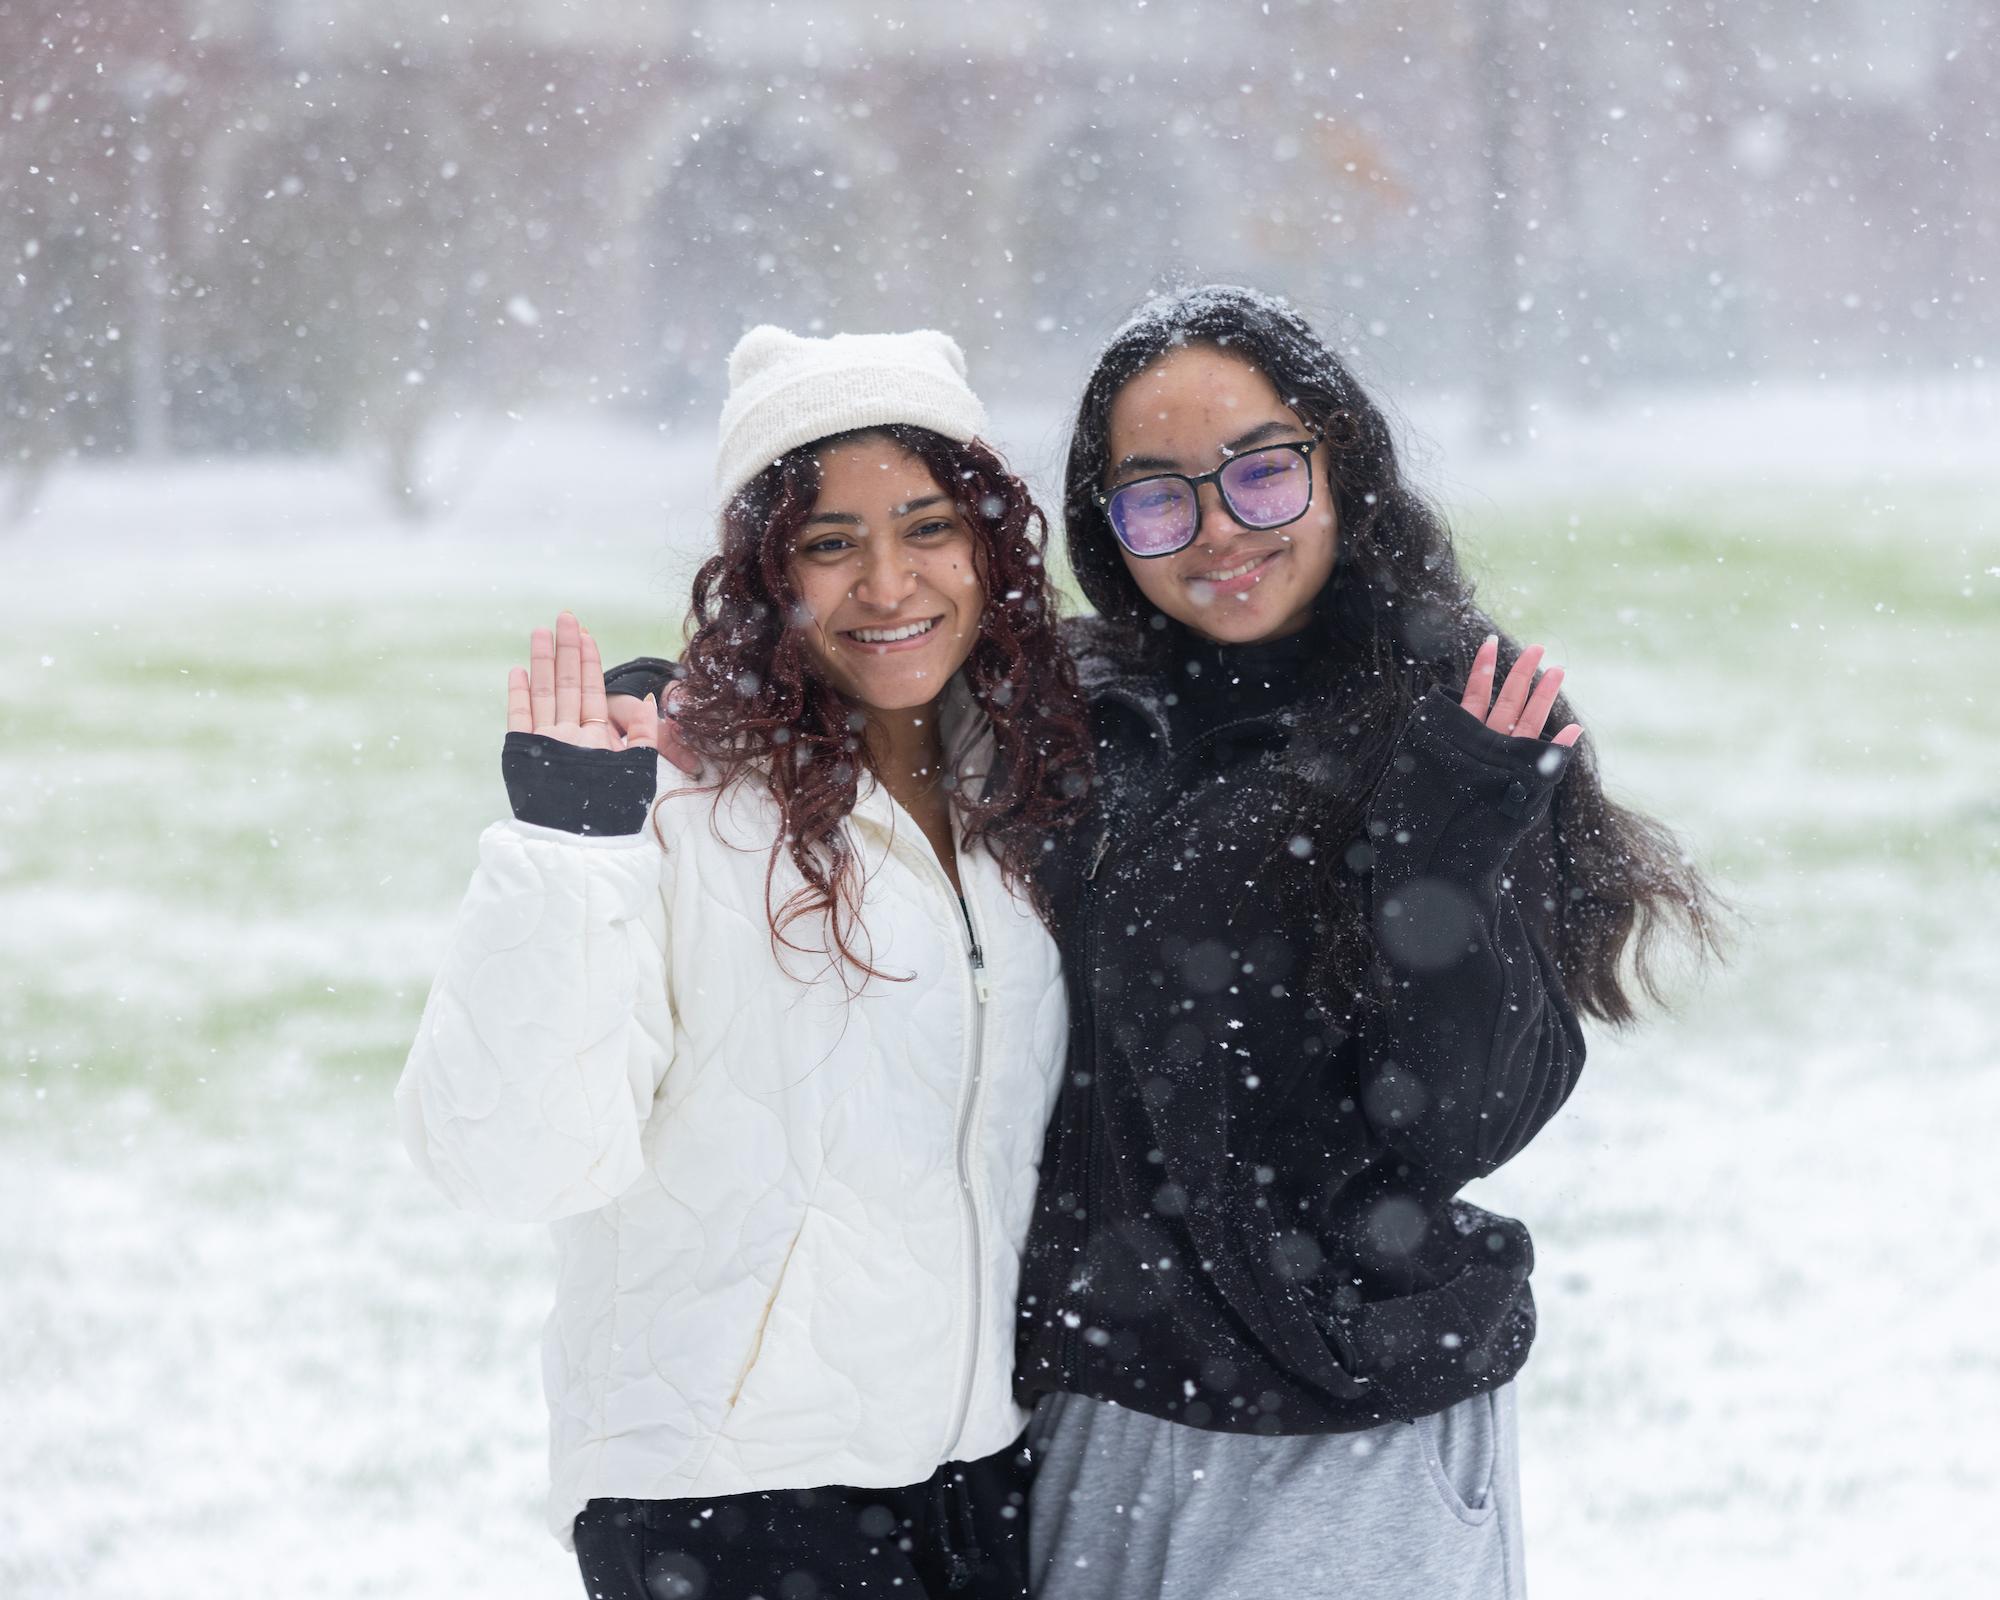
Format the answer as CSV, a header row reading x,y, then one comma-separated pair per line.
x,y
1214,684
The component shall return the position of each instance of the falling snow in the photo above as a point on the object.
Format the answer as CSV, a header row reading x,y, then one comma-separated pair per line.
x,y
335,354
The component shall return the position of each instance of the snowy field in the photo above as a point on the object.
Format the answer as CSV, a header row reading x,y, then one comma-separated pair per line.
x,y
250,735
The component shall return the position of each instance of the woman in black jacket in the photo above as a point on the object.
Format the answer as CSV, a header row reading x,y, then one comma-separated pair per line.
x,y
1327,937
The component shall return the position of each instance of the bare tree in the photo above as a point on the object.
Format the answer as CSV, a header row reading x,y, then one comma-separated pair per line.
x,y
1498,276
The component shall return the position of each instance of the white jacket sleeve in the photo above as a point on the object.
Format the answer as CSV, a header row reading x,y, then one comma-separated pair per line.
x,y
550,1028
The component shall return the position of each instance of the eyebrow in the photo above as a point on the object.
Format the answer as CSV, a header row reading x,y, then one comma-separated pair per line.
x,y
847,519
1242,442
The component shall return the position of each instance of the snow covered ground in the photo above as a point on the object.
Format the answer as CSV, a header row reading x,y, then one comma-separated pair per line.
x,y
249,740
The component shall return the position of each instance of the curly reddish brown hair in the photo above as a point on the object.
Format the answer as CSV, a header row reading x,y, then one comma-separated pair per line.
x,y
753,702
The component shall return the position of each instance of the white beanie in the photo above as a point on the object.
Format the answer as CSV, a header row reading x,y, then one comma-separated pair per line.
x,y
786,391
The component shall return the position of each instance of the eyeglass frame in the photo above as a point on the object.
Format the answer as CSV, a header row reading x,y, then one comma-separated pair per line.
x,y
1103,497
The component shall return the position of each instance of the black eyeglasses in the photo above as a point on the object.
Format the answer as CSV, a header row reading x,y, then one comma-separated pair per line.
x,y
1264,488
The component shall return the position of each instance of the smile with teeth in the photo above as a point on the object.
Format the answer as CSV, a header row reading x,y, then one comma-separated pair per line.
x,y
909,630
1229,574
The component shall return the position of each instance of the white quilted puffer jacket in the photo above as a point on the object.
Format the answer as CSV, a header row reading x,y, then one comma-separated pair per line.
x,y
789,1222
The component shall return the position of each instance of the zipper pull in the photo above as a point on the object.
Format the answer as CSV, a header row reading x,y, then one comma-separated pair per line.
x,y
980,980
1097,855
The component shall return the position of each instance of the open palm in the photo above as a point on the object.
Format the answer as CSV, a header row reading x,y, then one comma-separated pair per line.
x,y
560,693
1524,701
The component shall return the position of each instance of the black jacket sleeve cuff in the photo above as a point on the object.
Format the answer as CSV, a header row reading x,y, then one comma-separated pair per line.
x,y
641,676
1459,789
558,785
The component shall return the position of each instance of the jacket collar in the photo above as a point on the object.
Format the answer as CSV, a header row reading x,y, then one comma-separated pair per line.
x,y
969,751
1114,676
1109,672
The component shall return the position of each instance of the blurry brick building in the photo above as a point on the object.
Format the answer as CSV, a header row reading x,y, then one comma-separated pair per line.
x,y
272,224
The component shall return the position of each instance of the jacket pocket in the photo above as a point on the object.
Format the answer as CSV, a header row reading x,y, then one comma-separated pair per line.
x,y
1461,1446
749,1362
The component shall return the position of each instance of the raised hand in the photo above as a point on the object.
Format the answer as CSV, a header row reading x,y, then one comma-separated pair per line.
x,y
560,693
644,722
1524,702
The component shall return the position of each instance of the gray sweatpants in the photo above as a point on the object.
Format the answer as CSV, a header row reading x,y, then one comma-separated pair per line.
x,y
1127,1507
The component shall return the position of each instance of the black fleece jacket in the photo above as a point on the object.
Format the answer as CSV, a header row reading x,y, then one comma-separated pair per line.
x,y
1247,1216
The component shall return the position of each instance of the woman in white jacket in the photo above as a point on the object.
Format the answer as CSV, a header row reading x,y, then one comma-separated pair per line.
x,y
773,1050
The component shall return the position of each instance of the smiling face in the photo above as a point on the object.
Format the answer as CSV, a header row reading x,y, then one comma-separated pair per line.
x,y
1189,412
886,570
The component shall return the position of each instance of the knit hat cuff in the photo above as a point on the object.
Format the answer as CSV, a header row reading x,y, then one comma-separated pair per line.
x,y
837,386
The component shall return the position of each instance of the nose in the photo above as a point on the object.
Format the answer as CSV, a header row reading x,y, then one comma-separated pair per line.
x,y
1219,524
887,577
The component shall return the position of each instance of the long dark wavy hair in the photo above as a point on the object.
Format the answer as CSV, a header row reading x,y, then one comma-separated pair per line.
x,y
753,704
1399,617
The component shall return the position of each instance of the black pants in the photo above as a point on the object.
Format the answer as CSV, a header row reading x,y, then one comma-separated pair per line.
x,y
961,1534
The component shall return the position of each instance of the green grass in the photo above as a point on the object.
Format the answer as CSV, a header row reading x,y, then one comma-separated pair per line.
x,y
1808,665
231,836
236,824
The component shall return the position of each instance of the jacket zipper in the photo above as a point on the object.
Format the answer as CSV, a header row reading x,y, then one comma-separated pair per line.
x,y
1097,855
763,1324
980,984
982,992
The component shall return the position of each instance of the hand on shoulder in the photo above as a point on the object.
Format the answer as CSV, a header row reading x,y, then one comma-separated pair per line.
x,y
647,722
